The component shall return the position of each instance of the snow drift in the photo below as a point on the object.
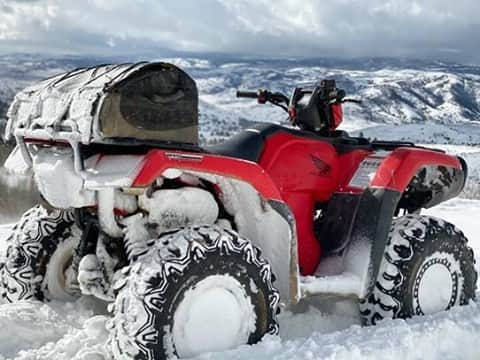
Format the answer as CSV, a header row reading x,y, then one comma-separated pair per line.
x,y
317,329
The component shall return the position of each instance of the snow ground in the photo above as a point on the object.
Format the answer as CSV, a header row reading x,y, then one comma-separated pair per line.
x,y
316,330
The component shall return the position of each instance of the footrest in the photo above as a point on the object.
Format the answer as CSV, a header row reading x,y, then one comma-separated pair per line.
x,y
342,285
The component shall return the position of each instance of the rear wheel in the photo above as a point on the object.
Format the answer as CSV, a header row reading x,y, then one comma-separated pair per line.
x,y
427,267
38,258
198,290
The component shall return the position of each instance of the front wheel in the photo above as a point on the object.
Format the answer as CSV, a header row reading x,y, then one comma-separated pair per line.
x,y
197,290
427,267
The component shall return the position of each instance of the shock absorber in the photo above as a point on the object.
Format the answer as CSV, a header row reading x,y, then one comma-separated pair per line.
x,y
138,236
88,242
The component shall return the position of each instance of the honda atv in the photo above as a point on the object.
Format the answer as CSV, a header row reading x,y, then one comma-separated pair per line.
x,y
197,248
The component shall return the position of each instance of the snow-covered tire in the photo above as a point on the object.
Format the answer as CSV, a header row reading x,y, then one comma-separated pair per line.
x,y
39,249
198,289
427,267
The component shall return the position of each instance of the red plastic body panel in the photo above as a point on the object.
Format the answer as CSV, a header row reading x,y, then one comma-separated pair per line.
x,y
306,171
301,165
300,171
402,164
157,161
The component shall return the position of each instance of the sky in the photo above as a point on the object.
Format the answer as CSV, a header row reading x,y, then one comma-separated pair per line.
x,y
432,29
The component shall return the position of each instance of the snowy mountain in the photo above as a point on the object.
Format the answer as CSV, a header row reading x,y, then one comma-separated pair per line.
x,y
394,92
391,95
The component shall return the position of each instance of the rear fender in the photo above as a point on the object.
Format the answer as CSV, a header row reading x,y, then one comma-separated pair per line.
x,y
156,162
249,195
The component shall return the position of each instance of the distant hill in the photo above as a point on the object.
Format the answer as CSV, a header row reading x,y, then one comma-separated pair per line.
x,y
394,91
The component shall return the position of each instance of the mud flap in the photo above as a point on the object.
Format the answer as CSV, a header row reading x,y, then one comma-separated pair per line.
x,y
373,221
294,273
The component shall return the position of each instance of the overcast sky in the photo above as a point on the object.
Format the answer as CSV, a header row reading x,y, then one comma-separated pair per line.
x,y
442,29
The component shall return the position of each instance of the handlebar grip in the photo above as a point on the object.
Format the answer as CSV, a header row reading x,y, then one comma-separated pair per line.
x,y
247,94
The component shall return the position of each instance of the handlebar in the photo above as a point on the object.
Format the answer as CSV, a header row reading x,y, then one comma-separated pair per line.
x,y
278,99
355,101
247,94
263,96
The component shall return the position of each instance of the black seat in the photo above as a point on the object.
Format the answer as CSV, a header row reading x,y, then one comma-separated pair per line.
x,y
246,145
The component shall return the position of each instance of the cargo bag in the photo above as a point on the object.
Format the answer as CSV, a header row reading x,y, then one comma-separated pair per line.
x,y
155,102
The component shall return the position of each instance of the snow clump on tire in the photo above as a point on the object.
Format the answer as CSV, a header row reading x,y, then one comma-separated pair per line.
x,y
150,320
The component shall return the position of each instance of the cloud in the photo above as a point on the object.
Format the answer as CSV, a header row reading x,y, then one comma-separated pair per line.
x,y
420,28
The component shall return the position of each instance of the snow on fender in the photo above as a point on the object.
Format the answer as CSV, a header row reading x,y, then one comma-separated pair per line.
x,y
57,180
173,208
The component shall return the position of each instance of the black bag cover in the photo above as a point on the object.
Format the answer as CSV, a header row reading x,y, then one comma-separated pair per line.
x,y
159,103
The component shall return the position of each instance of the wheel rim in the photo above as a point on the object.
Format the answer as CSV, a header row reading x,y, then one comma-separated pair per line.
x,y
436,285
215,315
58,276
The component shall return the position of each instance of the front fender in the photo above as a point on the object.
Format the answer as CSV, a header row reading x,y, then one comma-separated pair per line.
x,y
399,168
425,178
409,178
432,185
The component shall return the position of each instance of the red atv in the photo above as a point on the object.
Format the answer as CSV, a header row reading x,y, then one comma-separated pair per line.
x,y
186,242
